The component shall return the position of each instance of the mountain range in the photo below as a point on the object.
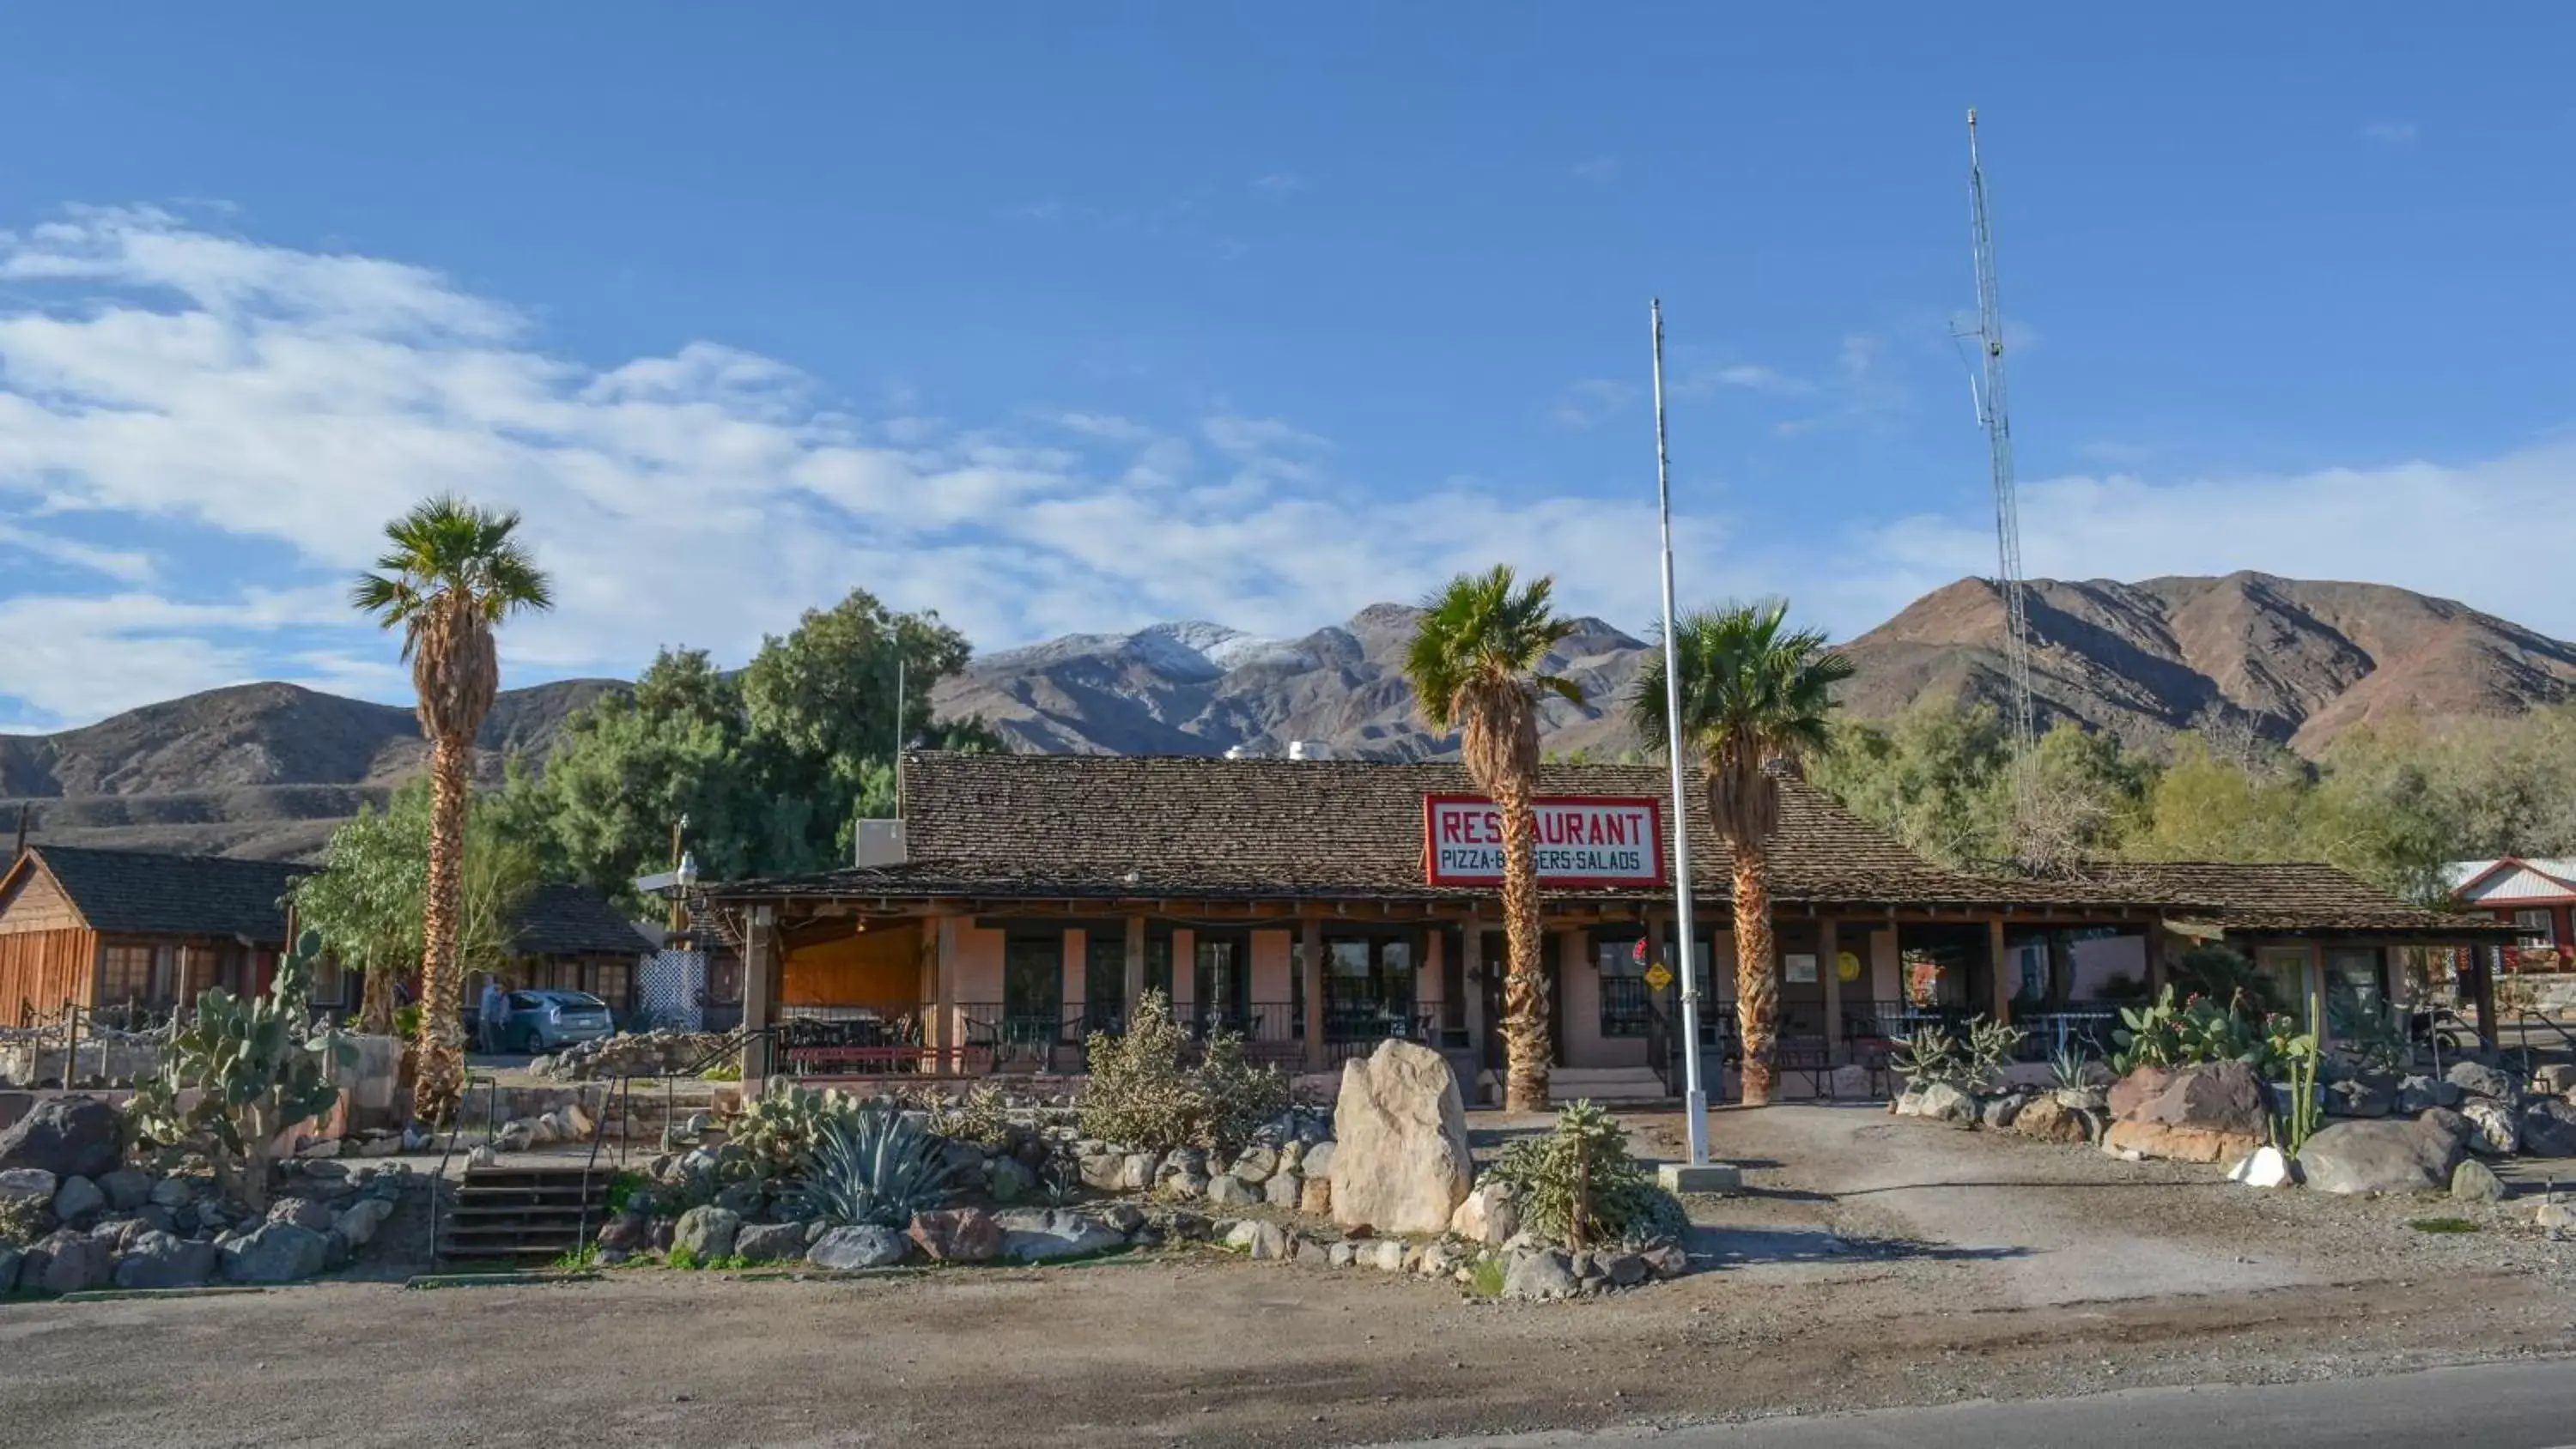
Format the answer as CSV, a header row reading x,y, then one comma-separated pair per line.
x,y
267,769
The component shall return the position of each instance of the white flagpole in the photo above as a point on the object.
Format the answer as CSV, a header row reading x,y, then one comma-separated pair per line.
x,y
1694,1097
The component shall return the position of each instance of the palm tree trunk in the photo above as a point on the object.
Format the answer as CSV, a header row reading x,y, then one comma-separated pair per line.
x,y
1526,1052
1757,986
442,1033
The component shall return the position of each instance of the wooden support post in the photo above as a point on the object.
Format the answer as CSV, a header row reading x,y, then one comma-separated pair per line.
x,y
1471,979
1135,966
2155,957
948,1037
2003,984
759,989
1829,952
1310,947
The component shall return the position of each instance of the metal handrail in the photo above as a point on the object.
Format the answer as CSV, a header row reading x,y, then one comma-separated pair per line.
x,y
491,1103
621,1089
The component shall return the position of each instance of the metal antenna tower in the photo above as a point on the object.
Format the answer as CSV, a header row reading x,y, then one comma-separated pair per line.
x,y
1993,412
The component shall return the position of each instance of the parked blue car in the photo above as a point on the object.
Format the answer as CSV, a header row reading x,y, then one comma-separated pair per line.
x,y
541,1021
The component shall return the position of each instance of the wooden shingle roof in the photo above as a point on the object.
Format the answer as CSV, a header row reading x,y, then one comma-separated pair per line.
x,y
2285,896
1097,826
142,893
571,920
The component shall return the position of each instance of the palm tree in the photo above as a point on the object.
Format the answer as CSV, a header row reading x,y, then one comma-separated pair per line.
x,y
453,573
1477,665
1753,691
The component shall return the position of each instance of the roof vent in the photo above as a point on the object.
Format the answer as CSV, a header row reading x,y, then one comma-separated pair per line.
x,y
880,843
1310,750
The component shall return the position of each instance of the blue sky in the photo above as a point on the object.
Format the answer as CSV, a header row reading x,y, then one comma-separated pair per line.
x,y
1067,318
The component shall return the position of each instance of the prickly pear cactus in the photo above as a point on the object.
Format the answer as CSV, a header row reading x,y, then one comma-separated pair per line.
x,y
241,1071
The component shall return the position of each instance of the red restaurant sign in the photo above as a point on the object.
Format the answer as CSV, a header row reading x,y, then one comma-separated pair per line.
x,y
1583,840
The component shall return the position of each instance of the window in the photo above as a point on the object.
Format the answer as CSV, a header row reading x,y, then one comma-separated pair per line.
x,y
1158,961
1626,1008
125,975
2539,928
2288,968
1368,987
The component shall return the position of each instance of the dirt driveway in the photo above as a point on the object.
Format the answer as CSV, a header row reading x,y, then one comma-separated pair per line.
x,y
1882,1263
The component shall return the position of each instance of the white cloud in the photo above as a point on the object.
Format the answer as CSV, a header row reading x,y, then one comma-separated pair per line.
x,y
2390,133
1279,185
261,412
1599,170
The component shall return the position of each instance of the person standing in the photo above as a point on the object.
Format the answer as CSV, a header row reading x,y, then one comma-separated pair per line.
x,y
488,1015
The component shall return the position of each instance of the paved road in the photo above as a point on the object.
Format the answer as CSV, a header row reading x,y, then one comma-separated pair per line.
x,y
2526,1405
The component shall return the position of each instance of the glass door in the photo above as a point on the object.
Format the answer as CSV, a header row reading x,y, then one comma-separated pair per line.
x,y
1221,982
1032,989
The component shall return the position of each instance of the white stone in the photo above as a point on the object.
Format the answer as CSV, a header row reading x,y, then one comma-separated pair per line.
x,y
360,1220
1384,1254
1401,1162
2263,1167
2495,1134
1488,1215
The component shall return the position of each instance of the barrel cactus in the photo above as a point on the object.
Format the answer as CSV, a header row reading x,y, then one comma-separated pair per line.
x,y
240,1071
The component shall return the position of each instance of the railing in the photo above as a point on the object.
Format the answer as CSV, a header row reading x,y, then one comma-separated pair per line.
x,y
2074,1026
1896,1020
1627,1006
1022,1041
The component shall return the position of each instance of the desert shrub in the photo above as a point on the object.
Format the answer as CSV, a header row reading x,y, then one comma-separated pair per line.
x,y
1146,1093
2201,1031
876,1166
23,1220
1972,1061
1578,1185
776,1132
2071,1067
978,1117
2223,974
240,1072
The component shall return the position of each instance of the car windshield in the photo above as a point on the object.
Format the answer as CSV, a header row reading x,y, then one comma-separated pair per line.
x,y
575,1000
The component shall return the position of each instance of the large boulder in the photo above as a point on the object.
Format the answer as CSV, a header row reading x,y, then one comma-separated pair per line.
x,y
957,1235
1541,1273
127,1188
2391,1154
2216,1112
2480,1080
2549,1128
2051,1120
159,1260
78,1198
360,1220
1401,1163
1489,1215
2264,1167
707,1232
278,1252
2474,1181
1036,1235
777,1242
1945,1103
68,1137
2419,1094
860,1245
64,1261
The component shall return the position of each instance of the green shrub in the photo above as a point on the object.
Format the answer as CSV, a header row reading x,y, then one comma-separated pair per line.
x,y
1487,1278
1973,1062
684,1259
875,1166
1578,1185
23,1221
978,1117
2200,1031
2443,1225
1146,1094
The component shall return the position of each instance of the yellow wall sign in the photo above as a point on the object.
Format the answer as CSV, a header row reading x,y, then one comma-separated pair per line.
x,y
1657,977
1847,966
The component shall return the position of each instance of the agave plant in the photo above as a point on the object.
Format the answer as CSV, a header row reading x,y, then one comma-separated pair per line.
x,y
876,1165
2072,1066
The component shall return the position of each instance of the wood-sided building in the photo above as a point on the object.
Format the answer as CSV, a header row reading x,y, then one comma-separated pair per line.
x,y
141,932
1318,907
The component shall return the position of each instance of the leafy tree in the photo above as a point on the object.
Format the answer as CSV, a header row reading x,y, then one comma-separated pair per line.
x,y
368,901
820,702
1478,665
452,574
1752,691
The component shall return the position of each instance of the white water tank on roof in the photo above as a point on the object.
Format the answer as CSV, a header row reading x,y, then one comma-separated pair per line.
x,y
1310,750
